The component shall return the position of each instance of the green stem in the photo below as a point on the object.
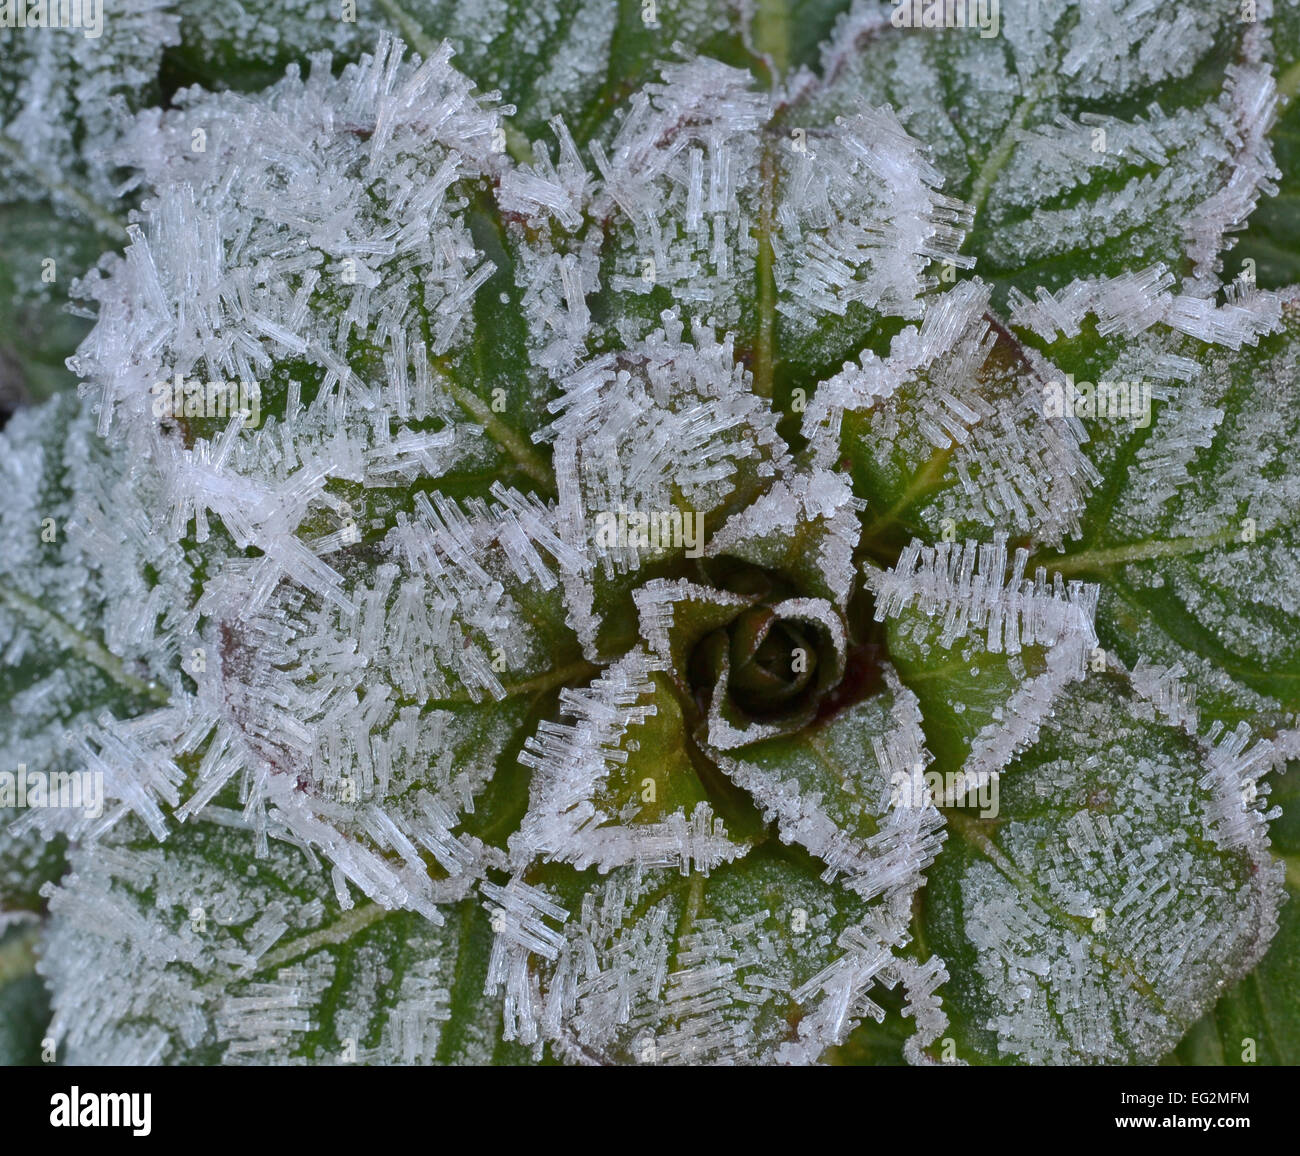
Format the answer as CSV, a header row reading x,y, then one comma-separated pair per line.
x,y
765,348
1091,560
340,931
528,460
580,671
104,221
924,480
82,645
997,160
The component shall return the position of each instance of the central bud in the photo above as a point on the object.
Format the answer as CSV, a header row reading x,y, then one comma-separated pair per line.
x,y
772,662
766,660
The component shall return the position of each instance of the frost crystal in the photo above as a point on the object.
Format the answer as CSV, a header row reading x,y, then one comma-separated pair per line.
x,y
573,762
966,591
485,621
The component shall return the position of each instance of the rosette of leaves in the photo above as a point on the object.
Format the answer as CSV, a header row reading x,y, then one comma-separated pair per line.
x,y
572,656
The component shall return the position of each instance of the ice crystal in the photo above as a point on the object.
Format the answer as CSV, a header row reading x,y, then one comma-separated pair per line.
x,y
542,612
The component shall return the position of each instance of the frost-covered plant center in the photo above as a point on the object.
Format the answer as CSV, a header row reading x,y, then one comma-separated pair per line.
x,y
609,533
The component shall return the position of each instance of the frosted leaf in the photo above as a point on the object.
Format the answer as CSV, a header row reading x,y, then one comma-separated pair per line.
x,y
841,986
702,190
1096,903
1012,117
1269,984
545,58
676,615
1133,302
276,719
601,988
948,433
70,90
673,413
852,792
697,971
616,786
74,511
237,959
682,176
1196,551
1266,244
859,220
554,273
65,95
648,444
237,273
805,527
1003,646
357,186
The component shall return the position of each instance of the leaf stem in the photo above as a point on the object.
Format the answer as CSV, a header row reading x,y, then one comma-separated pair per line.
x,y
997,160
1088,560
83,645
104,221
547,680
924,480
341,930
764,352
528,460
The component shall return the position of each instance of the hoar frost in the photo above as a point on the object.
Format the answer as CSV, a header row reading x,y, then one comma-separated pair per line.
x,y
325,640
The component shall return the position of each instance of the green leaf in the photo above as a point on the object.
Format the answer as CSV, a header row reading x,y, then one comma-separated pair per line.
x,y
39,333
1097,917
1257,1020
579,59
249,958
1193,530
65,100
70,653
1271,238
948,435
788,245
717,449
622,782
1085,140
741,966
849,790
985,649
